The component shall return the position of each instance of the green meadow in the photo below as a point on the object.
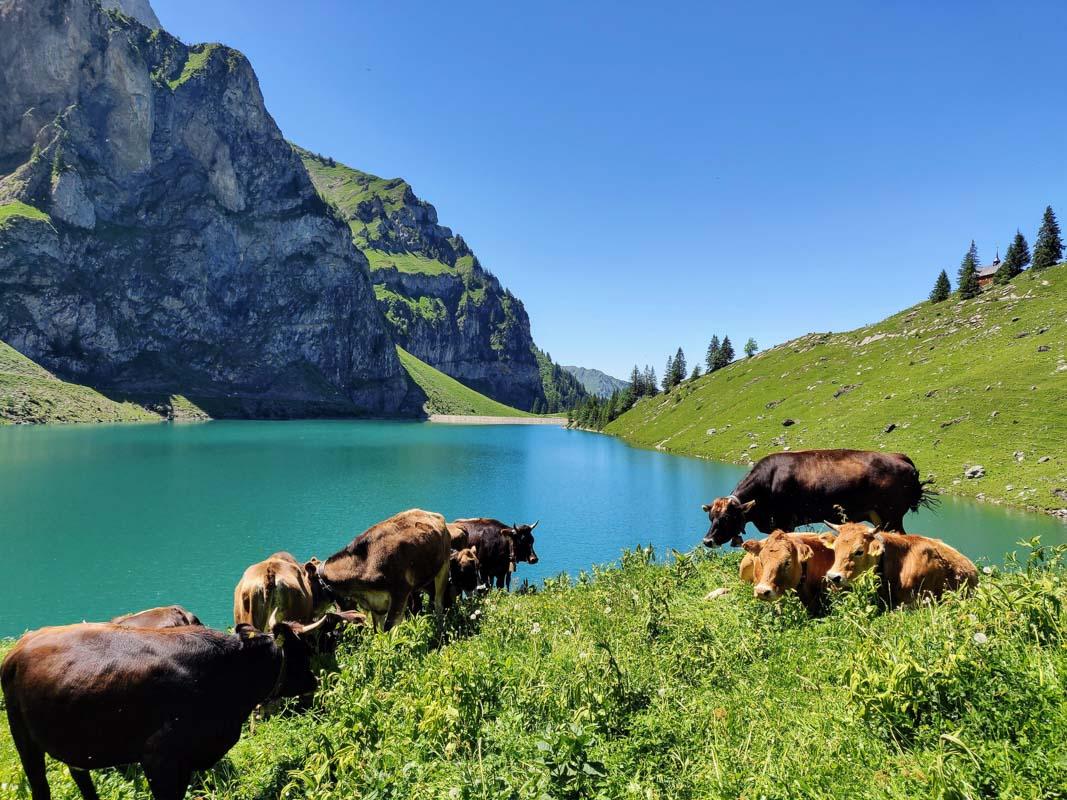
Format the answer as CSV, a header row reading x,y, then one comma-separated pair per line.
x,y
446,395
629,683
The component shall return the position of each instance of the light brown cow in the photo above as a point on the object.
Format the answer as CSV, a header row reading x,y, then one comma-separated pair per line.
x,y
785,562
281,587
908,566
458,535
161,617
387,562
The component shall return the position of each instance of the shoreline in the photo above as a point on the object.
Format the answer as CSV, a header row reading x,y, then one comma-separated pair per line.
x,y
459,419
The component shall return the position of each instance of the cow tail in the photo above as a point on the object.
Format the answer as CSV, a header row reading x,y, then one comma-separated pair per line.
x,y
928,496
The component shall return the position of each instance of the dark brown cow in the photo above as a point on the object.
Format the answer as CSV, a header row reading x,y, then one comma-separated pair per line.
x,y
785,562
161,617
908,567
99,695
786,490
281,587
383,565
500,547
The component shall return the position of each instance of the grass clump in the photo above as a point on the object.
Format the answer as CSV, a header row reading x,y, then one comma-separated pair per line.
x,y
196,60
9,212
956,384
446,395
628,683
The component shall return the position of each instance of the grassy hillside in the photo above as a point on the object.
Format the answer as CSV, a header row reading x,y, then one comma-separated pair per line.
x,y
980,382
29,393
630,684
446,395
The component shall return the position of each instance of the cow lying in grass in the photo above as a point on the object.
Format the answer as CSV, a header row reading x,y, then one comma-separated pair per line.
x,y
788,562
908,567
161,617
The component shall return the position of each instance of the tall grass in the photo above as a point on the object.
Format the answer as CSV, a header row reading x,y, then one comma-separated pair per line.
x,y
627,683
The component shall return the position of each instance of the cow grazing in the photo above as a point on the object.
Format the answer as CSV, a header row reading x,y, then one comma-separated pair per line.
x,y
382,566
786,490
282,587
464,573
908,567
785,562
500,548
162,617
458,535
99,695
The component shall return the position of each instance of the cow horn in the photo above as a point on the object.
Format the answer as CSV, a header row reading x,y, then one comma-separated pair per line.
x,y
273,620
316,624
831,526
535,524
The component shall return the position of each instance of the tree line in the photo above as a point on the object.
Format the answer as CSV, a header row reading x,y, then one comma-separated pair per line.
x,y
1048,251
596,412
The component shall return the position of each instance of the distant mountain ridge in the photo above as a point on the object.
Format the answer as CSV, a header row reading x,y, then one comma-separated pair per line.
x,y
596,382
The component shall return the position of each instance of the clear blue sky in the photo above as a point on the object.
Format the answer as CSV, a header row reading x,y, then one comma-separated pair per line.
x,y
644,176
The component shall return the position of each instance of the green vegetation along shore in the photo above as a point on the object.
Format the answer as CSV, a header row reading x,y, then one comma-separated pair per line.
x,y
630,683
446,395
29,393
957,385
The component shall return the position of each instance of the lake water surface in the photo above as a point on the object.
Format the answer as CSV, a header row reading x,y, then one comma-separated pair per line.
x,y
101,520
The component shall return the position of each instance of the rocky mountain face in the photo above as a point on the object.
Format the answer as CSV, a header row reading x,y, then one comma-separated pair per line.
x,y
182,247
140,10
444,307
596,382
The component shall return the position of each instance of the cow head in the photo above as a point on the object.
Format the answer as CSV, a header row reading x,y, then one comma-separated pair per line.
x,y
728,516
323,635
458,536
778,564
463,570
296,677
523,541
857,549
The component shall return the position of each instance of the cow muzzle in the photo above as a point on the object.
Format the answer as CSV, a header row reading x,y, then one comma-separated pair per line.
x,y
765,592
533,559
836,578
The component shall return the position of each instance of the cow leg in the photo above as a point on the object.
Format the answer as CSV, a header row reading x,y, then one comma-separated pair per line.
x,y
398,603
507,580
31,755
84,782
167,781
500,580
440,588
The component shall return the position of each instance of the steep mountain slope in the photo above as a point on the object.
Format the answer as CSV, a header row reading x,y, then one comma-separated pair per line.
x,y
954,385
596,382
445,395
445,308
29,393
177,245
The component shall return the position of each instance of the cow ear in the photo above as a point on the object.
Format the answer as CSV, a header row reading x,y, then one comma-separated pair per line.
x,y
753,546
803,552
284,631
746,507
352,617
507,531
705,508
828,540
877,545
311,567
246,631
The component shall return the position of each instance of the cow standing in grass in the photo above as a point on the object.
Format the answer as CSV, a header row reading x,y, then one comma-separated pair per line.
x,y
500,548
908,567
783,491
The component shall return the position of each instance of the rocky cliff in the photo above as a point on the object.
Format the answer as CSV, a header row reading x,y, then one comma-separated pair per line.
x,y
596,382
444,307
174,242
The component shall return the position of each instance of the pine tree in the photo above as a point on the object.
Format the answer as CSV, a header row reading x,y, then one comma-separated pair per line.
x,y
751,348
695,373
650,381
635,382
679,368
668,374
1015,260
1048,249
712,358
942,288
536,408
726,353
968,277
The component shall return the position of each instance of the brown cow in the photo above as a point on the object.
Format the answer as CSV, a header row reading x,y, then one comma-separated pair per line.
x,y
387,562
500,548
464,573
161,617
458,535
281,587
99,695
908,567
786,490
786,562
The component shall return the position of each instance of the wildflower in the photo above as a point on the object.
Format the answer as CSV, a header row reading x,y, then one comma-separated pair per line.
x,y
980,638
607,609
453,792
987,570
535,628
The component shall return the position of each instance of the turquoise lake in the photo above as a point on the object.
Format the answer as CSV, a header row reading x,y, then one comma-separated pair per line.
x,y
99,521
